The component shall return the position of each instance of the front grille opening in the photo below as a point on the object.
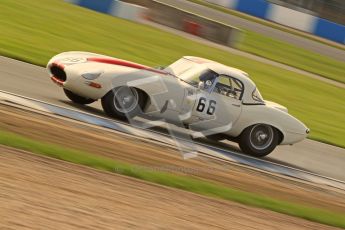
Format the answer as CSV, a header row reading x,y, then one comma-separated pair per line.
x,y
58,73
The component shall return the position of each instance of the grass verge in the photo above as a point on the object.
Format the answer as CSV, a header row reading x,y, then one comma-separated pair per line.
x,y
266,23
198,186
292,55
284,52
58,26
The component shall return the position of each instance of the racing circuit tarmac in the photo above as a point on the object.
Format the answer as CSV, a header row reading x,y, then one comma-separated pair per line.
x,y
33,81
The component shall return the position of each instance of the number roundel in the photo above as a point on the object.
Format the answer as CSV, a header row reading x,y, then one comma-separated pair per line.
x,y
202,105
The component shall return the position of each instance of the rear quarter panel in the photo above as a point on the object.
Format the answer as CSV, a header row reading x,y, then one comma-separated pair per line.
x,y
292,129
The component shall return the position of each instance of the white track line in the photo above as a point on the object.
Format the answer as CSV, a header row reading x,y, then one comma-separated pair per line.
x,y
203,149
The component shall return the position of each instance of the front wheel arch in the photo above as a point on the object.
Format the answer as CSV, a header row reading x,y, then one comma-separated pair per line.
x,y
77,99
111,109
146,99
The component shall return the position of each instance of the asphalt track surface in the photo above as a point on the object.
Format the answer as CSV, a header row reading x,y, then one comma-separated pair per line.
x,y
241,23
33,81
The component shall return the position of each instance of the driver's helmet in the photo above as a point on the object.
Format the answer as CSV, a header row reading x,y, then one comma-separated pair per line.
x,y
205,84
206,79
208,75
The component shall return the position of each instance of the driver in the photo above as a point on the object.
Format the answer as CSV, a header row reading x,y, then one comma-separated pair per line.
x,y
206,79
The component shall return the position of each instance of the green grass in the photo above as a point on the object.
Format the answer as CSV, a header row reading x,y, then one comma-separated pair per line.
x,y
284,52
293,56
58,26
199,186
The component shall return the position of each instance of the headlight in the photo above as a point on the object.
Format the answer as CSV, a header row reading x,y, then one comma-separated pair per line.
x,y
92,75
73,60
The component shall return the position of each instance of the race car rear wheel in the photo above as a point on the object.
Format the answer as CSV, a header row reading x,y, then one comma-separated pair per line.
x,y
78,99
259,140
123,102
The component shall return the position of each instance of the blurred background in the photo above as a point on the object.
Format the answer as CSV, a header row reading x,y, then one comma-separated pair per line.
x,y
68,166
332,10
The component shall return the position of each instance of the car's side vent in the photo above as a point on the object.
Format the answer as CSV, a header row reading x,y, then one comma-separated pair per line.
x,y
58,73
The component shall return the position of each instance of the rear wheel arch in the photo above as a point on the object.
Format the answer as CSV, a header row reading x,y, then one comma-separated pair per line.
x,y
249,146
280,135
280,132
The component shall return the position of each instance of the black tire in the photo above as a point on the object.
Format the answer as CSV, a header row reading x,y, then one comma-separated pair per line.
x,y
78,99
216,137
259,140
113,108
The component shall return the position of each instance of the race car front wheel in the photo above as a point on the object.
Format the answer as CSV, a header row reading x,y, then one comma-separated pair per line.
x,y
259,140
78,99
123,102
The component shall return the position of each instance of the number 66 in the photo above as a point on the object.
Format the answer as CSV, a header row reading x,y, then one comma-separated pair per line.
x,y
202,104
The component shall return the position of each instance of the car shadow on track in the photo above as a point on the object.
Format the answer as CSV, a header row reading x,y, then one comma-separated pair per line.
x,y
84,108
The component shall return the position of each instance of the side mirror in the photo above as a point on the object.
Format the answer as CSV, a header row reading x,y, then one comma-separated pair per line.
x,y
201,85
160,67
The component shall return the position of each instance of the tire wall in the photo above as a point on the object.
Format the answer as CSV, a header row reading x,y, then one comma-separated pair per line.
x,y
116,8
168,16
287,17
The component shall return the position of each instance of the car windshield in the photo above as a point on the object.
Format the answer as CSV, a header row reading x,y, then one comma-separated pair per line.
x,y
180,66
190,72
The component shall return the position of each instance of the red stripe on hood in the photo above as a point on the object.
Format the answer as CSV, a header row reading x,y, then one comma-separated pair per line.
x,y
114,61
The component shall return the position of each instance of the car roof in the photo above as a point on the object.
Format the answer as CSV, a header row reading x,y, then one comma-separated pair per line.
x,y
230,71
221,68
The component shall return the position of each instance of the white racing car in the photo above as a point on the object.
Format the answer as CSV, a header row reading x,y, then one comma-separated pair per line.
x,y
211,99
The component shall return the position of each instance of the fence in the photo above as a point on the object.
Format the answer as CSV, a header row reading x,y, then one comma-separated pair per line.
x,y
288,17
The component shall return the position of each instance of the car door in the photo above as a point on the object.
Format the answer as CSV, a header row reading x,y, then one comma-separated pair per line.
x,y
199,102
216,109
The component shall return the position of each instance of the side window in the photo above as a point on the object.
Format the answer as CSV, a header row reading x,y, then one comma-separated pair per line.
x,y
230,87
257,96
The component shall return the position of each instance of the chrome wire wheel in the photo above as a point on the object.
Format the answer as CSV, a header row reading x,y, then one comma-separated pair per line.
x,y
261,136
124,102
126,99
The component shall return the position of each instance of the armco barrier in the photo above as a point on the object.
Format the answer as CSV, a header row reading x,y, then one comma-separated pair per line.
x,y
288,17
257,8
144,3
291,18
226,3
103,6
166,15
130,11
113,7
179,19
330,30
